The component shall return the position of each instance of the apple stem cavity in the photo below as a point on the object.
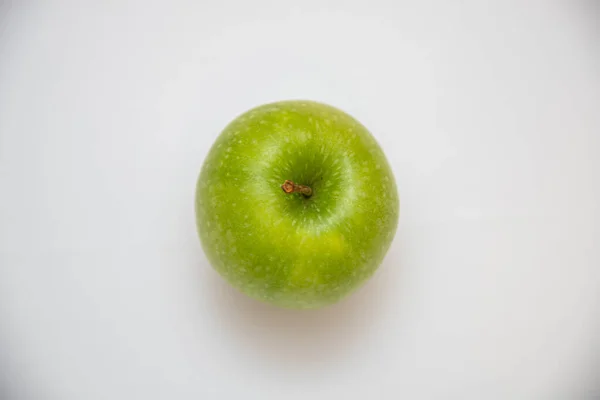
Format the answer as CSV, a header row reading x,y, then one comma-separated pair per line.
x,y
290,187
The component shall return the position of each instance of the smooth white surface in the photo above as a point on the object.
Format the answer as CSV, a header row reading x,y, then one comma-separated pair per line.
x,y
488,111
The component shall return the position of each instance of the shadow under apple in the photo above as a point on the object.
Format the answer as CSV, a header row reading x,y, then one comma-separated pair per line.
x,y
300,338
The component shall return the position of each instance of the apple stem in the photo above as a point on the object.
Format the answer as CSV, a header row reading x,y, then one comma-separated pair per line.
x,y
291,187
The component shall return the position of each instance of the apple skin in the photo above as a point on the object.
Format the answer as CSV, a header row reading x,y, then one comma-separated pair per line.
x,y
283,248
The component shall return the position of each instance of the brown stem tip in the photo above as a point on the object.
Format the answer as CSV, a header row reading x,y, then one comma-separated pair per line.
x,y
291,187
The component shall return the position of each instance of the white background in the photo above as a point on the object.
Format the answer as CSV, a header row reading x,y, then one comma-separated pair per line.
x,y
489,113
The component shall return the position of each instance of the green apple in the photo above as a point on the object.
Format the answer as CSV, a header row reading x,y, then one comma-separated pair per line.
x,y
296,204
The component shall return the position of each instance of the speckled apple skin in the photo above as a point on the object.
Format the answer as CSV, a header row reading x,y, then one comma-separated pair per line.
x,y
286,249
